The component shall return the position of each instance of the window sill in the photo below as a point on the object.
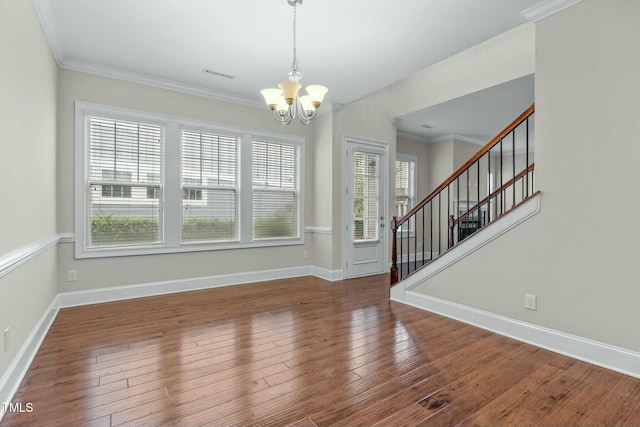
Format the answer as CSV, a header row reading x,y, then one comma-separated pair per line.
x,y
81,253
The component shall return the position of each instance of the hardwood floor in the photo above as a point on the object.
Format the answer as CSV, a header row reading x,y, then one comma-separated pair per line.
x,y
303,352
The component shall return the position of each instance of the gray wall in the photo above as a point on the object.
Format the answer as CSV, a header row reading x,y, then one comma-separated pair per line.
x,y
120,271
27,170
577,256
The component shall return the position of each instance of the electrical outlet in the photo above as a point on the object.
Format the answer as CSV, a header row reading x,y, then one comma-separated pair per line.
x,y
530,302
305,255
72,276
7,339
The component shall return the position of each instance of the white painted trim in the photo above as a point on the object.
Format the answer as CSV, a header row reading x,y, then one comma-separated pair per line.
x,y
148,80
318,230
172,124
412,136
590,351
17,369
16,258
546,8
329,275
456,137
99,70
43,10
347,143
474,242
67,237
118,293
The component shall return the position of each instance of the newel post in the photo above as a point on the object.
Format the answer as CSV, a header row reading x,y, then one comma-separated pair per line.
x,y
394,252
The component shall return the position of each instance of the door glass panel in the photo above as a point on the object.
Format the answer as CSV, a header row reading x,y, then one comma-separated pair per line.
x,y
365,200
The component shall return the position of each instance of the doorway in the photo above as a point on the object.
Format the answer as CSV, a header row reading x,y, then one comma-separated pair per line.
x,y
365,202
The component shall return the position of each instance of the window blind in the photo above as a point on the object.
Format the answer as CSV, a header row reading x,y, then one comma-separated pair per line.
x,y
365,209
209,187
403,190
152,184
124,168
275,190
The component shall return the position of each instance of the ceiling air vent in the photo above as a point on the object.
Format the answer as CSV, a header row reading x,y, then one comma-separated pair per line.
x,y
217,73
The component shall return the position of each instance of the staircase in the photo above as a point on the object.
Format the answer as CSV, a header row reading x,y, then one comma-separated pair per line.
x,y
495,181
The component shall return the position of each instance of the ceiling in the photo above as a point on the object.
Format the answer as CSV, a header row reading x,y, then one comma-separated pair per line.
x,y
353,47
476,117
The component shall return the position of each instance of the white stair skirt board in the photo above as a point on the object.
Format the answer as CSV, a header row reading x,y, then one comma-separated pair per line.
x,y
597,353
517,215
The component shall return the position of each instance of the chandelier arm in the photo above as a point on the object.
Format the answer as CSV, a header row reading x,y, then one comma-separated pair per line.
x,y
303,116
284,119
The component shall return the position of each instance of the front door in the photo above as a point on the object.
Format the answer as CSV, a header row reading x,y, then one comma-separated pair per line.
x,y
365,217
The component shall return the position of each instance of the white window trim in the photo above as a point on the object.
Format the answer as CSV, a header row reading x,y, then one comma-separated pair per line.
x,y
172,185
413,184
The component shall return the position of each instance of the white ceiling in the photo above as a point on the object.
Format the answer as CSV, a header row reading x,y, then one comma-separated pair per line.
x,y
478,116
353,47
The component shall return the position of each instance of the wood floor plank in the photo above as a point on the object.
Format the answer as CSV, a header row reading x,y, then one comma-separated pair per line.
x,y
620,405
302,352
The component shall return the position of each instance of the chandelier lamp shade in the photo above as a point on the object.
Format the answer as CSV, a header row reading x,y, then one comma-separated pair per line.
x,y
285,101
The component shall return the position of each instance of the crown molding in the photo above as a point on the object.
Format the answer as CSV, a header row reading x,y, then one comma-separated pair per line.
x,y
456,137
43,10
412,137
45,15
546,8
335,106
85,67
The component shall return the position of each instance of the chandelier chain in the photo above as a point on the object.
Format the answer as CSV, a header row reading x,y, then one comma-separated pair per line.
x,y
294,65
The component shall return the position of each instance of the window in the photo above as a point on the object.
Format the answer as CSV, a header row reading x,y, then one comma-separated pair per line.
x,y
275,190
405,186
121,153
365,209
149,184
209,210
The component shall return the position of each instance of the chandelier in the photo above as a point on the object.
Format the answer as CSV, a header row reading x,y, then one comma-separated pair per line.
x,y
284,102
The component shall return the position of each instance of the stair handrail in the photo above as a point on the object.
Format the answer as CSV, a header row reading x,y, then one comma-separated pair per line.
x,y
500,189
396,223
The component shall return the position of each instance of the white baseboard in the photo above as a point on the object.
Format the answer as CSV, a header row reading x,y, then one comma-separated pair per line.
x,y
607,356
329,275
95,296
16,371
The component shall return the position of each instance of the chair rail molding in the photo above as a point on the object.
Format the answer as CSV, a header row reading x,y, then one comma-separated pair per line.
x,y
16,258
318,230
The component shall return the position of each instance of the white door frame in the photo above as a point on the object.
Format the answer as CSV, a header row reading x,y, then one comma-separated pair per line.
x,y
347,241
